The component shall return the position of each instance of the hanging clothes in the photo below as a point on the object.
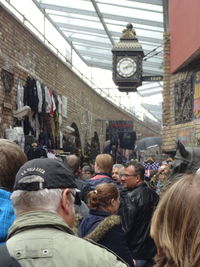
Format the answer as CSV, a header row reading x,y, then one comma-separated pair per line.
x,y
53,105
47,100
30,94
43,99
40,96
20,96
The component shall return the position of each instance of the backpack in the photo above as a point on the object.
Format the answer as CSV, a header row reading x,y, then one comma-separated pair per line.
x,y
6,260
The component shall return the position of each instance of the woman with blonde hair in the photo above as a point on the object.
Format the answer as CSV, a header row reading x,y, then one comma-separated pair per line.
x,y
102,225
175,224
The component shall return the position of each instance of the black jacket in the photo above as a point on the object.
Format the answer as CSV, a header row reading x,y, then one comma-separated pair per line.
x,y
137,206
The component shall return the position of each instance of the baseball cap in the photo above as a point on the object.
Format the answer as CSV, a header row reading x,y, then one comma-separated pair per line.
x,y
50,173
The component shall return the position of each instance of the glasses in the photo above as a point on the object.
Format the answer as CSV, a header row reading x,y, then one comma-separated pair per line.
x,y
127,175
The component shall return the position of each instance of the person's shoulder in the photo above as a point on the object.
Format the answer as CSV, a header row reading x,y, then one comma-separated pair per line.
x,y
137,193
64,248
132,196
98,255
146,195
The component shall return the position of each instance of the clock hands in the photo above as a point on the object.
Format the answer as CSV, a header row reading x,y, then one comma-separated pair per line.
x,y
130,65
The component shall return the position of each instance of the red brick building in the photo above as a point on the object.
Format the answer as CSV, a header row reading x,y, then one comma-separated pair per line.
x,y
181,107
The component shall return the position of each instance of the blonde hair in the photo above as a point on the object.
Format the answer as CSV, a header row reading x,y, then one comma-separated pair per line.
x,y
104,163
175,224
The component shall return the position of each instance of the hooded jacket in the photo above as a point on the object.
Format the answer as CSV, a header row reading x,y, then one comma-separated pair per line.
x,y
42,238
105,229
99,178
136,209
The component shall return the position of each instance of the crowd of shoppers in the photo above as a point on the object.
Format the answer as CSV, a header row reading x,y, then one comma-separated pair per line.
x,y
118,207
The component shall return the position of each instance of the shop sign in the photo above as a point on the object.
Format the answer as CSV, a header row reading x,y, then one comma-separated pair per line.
x,y
121,126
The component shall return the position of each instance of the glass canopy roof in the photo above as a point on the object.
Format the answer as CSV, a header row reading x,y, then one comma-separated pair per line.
x,y
93,26
89,29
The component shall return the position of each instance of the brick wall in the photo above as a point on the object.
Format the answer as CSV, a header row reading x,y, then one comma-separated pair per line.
x,y
188,131
23,54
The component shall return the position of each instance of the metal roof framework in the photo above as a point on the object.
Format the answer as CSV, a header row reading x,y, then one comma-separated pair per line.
x,y
91,24
92,27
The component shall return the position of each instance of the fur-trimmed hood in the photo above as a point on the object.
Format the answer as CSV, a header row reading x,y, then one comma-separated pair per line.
x,y
103,227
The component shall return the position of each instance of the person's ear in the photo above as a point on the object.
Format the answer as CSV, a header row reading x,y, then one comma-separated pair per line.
x,y
66,208
138,178
112,201
66,200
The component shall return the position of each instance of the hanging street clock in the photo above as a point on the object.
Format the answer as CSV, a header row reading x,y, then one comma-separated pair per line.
x,y
127,61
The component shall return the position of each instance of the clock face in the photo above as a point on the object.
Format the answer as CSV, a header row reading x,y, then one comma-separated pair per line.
x,y
126,67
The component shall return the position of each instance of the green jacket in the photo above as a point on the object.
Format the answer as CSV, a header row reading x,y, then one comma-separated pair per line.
x,y
42,239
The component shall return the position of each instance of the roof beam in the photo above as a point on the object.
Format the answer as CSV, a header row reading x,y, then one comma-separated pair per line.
x,y
102,21
106,47
151,2
102,32
105,15
109,50
108,55
57,28
155,108
136,8
147,72
147,89
146,46
108,23
94,57
151,93
152,64
108,65
92,43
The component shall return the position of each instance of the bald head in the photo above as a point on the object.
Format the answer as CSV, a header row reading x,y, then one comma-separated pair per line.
x,y
73,162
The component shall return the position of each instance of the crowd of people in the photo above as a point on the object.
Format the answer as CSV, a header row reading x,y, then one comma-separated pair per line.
x,y
59,213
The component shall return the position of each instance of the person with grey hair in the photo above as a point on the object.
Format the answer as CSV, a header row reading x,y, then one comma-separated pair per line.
x,y
116,173
43,199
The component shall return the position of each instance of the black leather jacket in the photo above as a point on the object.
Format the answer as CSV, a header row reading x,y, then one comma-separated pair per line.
x,y
137,206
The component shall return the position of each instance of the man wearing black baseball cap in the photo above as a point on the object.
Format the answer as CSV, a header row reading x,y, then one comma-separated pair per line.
x,y
43,200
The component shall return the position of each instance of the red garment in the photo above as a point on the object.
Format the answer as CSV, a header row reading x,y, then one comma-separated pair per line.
x,y
98,176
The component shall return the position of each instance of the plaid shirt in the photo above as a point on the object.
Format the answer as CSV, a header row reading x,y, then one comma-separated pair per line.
x,y
6,214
